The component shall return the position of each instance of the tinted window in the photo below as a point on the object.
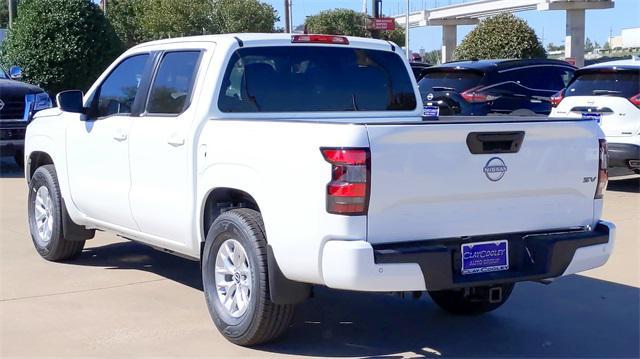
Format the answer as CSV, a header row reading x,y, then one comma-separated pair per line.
x,y
546,78
605,83
449,80
3,75
171,89
314,78
118,91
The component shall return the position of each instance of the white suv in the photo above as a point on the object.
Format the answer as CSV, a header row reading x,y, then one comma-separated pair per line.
x,y
610,94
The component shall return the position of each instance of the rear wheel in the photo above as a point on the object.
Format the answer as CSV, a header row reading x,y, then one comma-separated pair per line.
x,y
473,300
46,216
236,283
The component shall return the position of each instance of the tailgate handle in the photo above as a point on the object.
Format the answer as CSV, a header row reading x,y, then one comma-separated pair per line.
x,y
494,142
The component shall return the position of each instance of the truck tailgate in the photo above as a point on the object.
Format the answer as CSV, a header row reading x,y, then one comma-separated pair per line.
x,y
426,183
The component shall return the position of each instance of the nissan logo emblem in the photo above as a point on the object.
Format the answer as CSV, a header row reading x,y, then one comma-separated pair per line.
x,y
430,97
495,169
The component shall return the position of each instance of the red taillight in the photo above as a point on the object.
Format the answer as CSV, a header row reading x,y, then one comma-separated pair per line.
x,y
474,95
348,191
635,100
320,39
603,173
557,98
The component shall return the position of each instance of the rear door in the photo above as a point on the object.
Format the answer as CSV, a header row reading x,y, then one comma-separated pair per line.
x,y
161,165
426,182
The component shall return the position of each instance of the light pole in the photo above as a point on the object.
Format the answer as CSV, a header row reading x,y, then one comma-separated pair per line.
x,y
287,22
406,32
12,11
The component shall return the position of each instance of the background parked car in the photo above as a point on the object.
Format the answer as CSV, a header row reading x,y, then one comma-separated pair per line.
x,y
609,93
484,87
418,69
18,102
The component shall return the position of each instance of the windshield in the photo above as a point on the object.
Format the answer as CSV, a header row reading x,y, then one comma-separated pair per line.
x,y
315,78
605,83
3,74
449,80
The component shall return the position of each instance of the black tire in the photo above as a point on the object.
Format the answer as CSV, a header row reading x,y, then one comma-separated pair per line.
x,y
57,248
472,301
19,158
263,320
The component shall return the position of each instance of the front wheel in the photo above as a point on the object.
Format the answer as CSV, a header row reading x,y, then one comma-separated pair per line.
x,y
46,216
236,283
473,300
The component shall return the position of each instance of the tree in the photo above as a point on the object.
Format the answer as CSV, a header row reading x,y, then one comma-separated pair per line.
x,y
160,19
138,21
501,36
606,46
125,17
243,16
338,22
60,44
432,57
588,45
350,23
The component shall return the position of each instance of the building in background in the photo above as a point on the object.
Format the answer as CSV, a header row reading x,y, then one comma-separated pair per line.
x,y
628,39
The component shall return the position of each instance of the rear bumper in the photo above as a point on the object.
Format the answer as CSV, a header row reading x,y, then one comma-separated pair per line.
x,y
624,155
435,264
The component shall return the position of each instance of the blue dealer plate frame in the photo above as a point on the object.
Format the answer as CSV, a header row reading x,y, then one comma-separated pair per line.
x,y
592,116
485,257
430,111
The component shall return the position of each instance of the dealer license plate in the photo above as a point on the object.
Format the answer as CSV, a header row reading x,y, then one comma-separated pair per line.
x,y
430,111
592,116
484,257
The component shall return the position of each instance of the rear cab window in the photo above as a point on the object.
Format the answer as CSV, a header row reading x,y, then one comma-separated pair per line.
x,y
314,79
604,82
458,80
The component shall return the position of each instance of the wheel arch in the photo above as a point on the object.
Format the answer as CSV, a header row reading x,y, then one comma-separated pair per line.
x,y
37,159
221,199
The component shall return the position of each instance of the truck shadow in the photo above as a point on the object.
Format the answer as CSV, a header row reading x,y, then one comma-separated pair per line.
x,y
9,168
631,185
575,317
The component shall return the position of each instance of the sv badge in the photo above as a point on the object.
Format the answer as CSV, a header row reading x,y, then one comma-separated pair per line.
x,y
589,179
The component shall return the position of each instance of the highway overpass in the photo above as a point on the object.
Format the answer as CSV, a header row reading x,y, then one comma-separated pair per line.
x,y
469,13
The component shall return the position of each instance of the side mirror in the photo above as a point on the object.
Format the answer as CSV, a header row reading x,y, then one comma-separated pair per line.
x,y
70,101
15,72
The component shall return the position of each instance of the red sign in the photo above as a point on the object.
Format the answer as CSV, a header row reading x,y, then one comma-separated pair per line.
x,y
382,23
571,60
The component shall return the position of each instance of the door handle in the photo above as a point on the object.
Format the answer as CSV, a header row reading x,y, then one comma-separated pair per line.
x,y
120,135
176,140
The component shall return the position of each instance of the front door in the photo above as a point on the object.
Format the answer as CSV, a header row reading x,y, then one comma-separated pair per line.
x,y
98,147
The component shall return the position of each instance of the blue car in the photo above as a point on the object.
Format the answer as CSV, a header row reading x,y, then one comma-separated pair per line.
x,y
492,87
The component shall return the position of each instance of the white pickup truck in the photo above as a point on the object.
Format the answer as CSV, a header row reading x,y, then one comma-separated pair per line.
x,y
281,162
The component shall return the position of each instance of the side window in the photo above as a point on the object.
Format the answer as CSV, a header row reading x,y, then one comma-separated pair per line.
x,y
172,86
119,89
563,77
531,78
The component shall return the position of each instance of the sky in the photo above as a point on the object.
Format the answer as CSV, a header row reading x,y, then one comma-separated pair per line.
x,y
549,25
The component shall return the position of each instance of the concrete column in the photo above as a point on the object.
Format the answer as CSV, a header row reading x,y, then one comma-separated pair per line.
x,y
574,39
449,41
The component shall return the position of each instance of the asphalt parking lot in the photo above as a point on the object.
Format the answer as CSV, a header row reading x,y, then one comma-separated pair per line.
x,y
124,299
